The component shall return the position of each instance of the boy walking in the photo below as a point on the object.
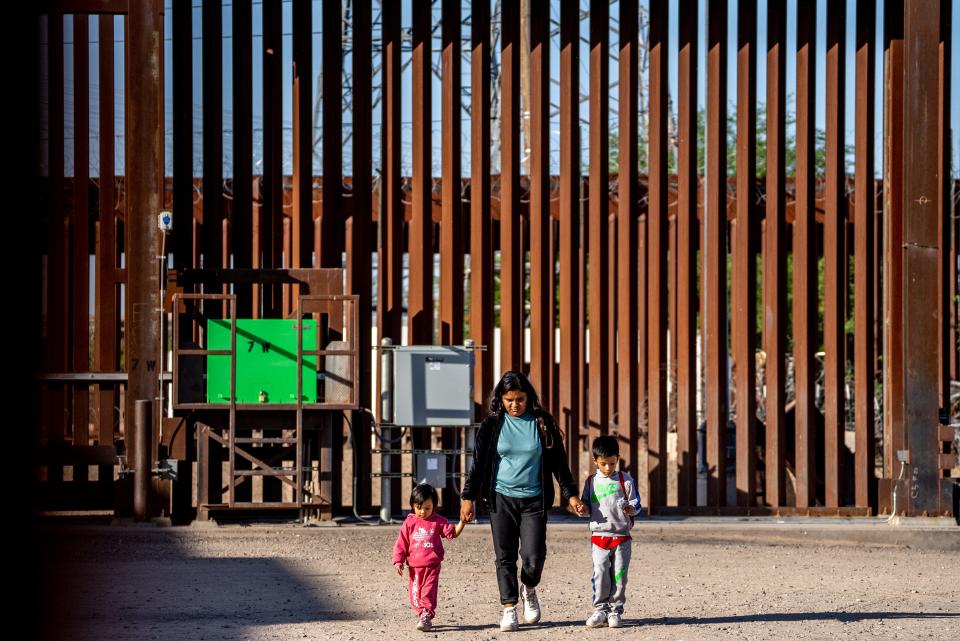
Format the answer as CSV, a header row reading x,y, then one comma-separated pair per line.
x,y
613,500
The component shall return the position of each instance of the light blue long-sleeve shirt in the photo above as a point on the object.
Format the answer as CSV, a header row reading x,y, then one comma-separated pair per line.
x,y
518,458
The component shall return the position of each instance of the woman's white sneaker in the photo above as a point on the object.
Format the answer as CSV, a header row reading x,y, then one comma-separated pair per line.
x,y
613,620
531,604
509,621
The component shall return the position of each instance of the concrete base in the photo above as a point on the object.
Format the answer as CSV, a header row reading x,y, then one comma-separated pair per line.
x,y
930,533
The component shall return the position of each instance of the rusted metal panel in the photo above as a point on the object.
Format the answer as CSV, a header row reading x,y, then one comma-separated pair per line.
x,y
834,304
686,257
642,333
331,218
241,219
715,261
301,220
271,219
420,227
864,269
481,247
390,304
583,392
657,249
744,282
541,295
944,202
571,337
804,260
920,206
628,198
390,222
878,301
553,321
599,290
271,201
107,318
954,294
893,383
359,262
79,225
451,226
144,142
420,236
672,266
774,256
182,52
212,194
511,259
612,306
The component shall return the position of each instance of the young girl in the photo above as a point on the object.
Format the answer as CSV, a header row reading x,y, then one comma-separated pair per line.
x,y
419,545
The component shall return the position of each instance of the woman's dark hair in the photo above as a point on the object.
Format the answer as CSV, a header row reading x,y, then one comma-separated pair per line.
x,y
513,381
422,492
510,382
604,446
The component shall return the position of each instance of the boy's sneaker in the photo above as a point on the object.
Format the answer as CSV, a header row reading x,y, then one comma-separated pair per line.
x,y
425,624
509,621
613,620
598,619
531,604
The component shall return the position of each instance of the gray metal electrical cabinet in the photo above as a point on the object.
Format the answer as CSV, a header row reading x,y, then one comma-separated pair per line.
x,y
432,469
433,385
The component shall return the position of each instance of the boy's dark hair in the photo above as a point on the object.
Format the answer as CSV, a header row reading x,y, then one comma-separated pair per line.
x,y
605,446
422,492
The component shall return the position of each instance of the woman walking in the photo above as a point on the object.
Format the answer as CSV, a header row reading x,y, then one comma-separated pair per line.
x,y
518,452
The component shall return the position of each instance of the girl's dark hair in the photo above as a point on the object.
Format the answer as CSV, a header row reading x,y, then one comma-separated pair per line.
x,y
509,382
604,446
512,381
422,492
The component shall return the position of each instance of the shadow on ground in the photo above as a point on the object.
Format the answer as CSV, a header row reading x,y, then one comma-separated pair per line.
x,y
133,583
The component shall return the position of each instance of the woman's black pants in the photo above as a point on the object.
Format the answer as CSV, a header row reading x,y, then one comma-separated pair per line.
x,y
519,525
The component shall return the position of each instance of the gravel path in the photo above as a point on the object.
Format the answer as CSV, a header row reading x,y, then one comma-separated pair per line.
x,y
291,582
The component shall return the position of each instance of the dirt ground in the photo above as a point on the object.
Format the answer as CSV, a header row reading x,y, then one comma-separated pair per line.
x,y
293,582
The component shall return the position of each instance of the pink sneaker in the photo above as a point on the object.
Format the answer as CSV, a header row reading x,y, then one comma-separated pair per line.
x,y
425,622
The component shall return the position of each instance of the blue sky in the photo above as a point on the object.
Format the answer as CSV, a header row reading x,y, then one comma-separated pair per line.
x,y
406,117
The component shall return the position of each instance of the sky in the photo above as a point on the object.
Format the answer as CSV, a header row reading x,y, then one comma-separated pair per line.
x,y
406,154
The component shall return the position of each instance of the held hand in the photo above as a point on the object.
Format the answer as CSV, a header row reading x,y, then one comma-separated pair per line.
x,y
577,506
399,568
466,511
629,511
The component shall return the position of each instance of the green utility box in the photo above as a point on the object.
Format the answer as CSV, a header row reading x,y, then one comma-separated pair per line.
x,y
266,361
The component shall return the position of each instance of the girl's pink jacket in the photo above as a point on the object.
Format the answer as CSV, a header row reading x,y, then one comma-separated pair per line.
x,y
419,543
